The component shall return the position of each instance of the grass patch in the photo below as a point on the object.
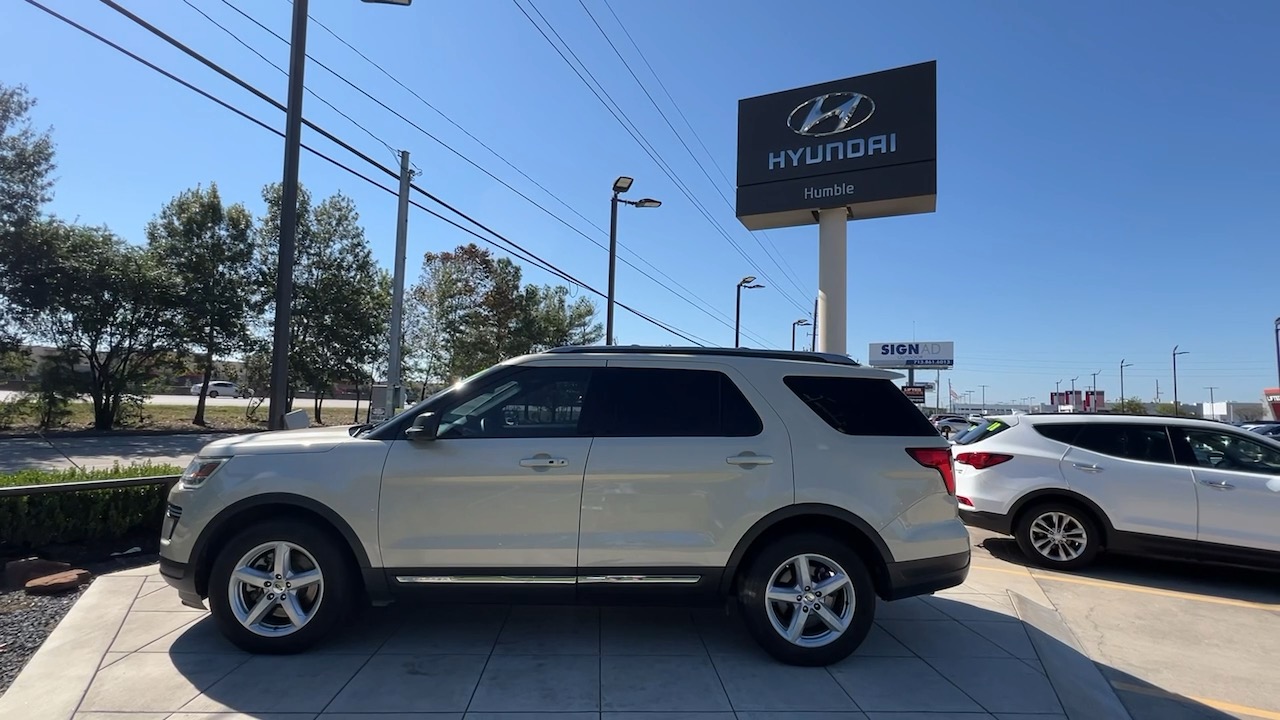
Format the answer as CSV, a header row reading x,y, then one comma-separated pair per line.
x,y
90,516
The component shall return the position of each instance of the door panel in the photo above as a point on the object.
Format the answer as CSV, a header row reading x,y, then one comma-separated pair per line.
x,y
1116,466
655,499
1238,483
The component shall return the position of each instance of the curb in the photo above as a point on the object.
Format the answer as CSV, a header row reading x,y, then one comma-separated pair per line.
x,y
1082,690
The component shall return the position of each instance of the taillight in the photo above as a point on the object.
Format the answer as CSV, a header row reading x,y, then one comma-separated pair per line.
x,y
964,500
981,460
939,459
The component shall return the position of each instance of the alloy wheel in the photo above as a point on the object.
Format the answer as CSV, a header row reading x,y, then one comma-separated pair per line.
x,y
276,589
810,600
1058,536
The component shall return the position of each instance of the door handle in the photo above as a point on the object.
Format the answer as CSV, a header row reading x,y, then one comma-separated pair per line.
x,y
543,462
747,459
1223,485
1086,467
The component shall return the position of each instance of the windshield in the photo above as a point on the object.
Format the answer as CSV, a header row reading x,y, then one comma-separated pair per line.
x,y
416,408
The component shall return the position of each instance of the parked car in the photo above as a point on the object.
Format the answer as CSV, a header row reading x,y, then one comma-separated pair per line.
x,y
953,425
222,388
1269,429
1070,486
800,484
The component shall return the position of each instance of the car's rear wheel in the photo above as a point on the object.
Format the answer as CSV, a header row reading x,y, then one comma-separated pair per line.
x,y
280,586
1058,535
808,600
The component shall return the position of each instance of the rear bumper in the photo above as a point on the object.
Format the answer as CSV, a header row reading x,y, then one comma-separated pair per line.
x,y
181,576
995,522
920,577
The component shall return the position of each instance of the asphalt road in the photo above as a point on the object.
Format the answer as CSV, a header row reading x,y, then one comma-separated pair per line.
x,y
65,452
218,401
1176,640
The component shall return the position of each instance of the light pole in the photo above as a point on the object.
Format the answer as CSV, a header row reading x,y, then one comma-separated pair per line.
x,y
1278,352
747,283
795,325
1073,391
286,254
1123,365
1176,409
1057,391
621,185
1213,412
984,399
1094,404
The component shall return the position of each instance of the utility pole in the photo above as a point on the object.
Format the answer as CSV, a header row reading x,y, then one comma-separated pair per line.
x,y
1057,391
1073,392
397,289
984,399
1177,410
1213,410
1093,404
288,220
1157,391
937,388
1123,365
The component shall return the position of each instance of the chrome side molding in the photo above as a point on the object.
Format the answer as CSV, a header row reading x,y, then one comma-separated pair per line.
x,y
548,579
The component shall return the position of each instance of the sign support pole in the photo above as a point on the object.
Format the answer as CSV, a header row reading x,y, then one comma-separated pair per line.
x,y
833,279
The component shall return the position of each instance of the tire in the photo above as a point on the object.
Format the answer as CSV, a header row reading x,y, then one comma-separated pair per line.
x,y
854,602
1078,537
320,605
213,393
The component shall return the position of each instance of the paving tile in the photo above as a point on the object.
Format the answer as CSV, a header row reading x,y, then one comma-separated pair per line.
x,y
141,571
143,628
880,643
201,636
513,683
765,684
685,683
668,716
365,635
649,631
536,716
927,716
154,682
1030,716
1002,685
448,629
411,683
907,609
162,602
724,634
942,639
152,585
1012,637
974,607
111,658
120,716
299,683
241,716
391,716
899,685
801,716
533,630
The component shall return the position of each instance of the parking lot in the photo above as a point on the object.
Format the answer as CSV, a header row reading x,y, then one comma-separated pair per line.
x,y
1167,641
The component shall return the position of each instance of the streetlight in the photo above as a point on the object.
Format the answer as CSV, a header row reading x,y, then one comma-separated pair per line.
x,y
621,185
1176,411
1094,404
984,398
1278,352
289,214
1073,391
1057,391
1123,365
1213,411
794,325
748,283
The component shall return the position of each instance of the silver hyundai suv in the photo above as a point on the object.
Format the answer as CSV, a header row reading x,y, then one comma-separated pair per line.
x,y
800,484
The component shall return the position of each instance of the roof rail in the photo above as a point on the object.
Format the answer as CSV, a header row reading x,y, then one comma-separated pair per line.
x,y
799,355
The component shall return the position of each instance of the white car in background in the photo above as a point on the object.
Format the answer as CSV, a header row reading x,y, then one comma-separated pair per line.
x,y
1067,486
952,425
222,388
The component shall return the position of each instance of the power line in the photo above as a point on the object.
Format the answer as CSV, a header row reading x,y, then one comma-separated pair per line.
x,y
516,249
667,120
690,294
618,114
688,124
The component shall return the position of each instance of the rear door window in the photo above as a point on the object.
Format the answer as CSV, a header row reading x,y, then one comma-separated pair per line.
x,y
664,402
861,406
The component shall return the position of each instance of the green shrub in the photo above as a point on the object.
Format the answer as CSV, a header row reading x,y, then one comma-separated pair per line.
x,y
92,515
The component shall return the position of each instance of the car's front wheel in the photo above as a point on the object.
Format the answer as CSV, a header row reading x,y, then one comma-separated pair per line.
x,y
808,600
280,586
1058,535
213,393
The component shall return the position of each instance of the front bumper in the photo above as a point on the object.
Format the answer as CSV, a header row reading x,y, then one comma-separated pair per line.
x,y
921,577
182,577
995,522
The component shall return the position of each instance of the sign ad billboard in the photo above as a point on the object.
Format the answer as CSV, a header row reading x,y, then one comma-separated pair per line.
x,y
913,354
915,393
867,143
1272,398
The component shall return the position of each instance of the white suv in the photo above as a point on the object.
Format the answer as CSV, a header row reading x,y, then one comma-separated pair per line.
x,y
802,484
1067,486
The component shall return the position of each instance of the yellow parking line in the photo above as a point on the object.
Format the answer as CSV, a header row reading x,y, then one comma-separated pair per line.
x,y
1115,585
1215,704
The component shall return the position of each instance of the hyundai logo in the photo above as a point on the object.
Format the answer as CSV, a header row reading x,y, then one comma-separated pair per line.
x,y
831,114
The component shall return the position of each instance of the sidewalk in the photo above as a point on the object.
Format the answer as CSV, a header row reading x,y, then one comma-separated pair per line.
x,y
130,651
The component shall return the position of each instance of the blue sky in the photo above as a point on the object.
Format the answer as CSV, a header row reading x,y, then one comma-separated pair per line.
x,y
1107,171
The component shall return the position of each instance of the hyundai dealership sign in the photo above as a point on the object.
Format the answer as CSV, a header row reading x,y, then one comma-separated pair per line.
x,y
914,354
866,143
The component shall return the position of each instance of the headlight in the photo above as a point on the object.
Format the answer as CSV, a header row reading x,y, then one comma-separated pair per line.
x,y
200,470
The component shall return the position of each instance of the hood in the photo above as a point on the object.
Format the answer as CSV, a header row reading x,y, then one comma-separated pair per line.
x,y
307,440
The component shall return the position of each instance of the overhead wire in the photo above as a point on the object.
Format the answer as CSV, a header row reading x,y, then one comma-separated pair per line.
x,y
689,295
510,246
620,116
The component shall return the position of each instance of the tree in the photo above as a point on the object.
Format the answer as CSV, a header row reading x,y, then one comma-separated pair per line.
x,y
1130,406
26,161
341,298
206,251
99,300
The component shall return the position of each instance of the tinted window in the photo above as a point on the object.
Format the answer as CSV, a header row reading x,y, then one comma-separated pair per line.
x,y
1224,451
861,406
538,402
1148,443
657,402
1062,432
982,431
